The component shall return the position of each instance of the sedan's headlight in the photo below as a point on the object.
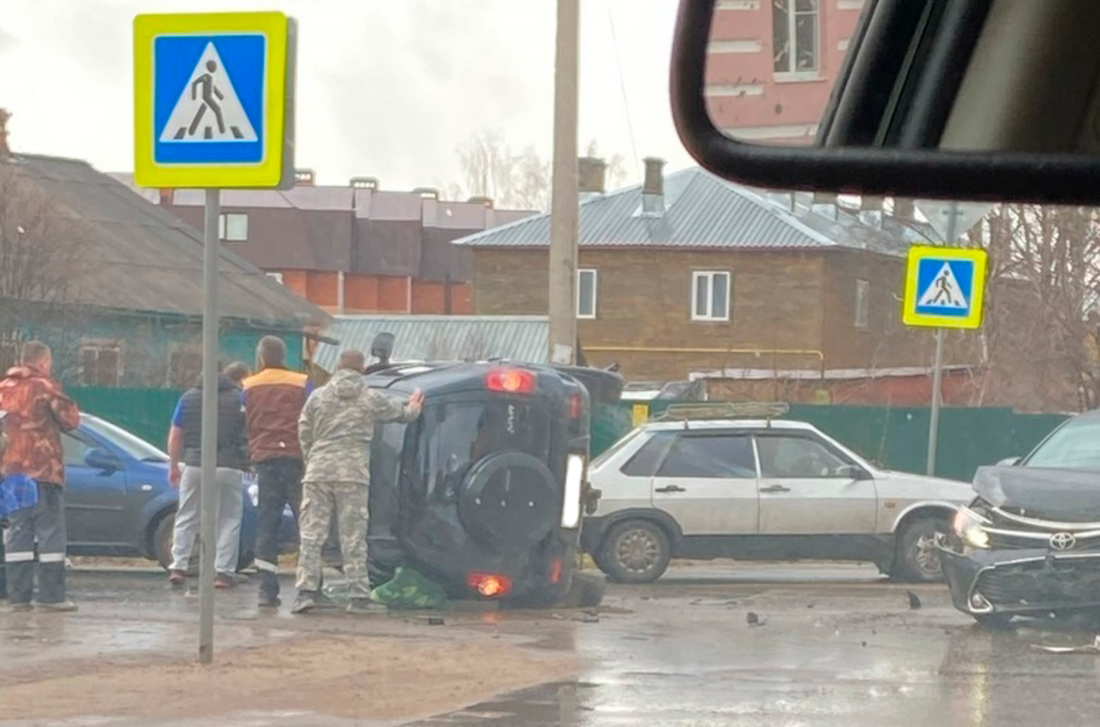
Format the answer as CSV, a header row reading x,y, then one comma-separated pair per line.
x,y
969,527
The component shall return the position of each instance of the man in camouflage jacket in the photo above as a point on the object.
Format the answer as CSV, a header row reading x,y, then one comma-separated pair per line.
x,y
335,432
37,413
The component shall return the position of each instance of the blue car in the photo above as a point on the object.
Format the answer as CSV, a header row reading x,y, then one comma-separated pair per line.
x,y
118,501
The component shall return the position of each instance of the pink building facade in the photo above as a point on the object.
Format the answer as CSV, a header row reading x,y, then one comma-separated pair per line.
x,y
771,65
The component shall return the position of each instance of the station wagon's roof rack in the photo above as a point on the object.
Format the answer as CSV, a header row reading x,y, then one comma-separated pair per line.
x,y
724,410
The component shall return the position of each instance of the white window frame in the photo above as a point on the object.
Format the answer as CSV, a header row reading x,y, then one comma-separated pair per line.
x,y
708,314
792,72
223,226
277,277
100,346
863,304
581,272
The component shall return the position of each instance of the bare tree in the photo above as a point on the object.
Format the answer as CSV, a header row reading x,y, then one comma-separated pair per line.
x,y
491,169
1038,343
40,263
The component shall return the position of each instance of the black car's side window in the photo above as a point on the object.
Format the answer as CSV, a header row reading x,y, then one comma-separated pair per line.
x,y
715,455
797,458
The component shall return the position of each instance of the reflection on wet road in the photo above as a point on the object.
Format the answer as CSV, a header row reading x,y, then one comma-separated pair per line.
x,y
837,647
831,645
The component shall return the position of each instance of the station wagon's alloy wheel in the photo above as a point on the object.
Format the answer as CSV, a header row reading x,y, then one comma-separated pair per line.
x,y
636,551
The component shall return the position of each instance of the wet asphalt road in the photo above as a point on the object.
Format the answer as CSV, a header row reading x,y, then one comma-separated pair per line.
x,y
837,645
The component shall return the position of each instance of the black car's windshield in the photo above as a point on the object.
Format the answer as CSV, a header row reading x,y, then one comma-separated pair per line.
x,y
133,446
1073,446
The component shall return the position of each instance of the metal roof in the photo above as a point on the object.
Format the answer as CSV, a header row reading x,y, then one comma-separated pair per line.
x,y
441,338
703,211
138,256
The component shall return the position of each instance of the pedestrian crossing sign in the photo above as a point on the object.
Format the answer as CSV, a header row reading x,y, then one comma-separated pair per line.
x,y
944,287
213,100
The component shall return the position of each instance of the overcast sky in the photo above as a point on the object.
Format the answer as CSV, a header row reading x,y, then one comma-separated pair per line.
x,y
386,88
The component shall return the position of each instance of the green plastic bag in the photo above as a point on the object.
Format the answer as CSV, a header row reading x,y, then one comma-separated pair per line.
x,y
408,590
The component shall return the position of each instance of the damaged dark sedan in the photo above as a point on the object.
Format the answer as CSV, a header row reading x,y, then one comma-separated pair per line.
x,y
1029,544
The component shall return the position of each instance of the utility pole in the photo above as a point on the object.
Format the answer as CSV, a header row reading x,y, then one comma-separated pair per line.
x,y
207,492
937,365
564,210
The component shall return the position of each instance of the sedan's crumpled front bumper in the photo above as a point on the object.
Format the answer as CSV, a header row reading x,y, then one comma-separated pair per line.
x,y
1020,581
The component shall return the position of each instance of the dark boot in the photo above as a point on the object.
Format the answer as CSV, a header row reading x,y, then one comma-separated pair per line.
x,y
51,583
21,582
269,588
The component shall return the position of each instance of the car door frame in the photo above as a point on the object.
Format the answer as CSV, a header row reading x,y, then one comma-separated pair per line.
x,y
864,545
75,508
716,544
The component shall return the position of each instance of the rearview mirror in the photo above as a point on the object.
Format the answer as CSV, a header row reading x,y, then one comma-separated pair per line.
x,y
854,471
986,99
1010,462
99,459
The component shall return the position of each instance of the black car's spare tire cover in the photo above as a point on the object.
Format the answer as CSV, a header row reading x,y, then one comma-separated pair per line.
x,y
509,501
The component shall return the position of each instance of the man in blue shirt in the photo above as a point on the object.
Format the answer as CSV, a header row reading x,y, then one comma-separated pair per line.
x,y
185,446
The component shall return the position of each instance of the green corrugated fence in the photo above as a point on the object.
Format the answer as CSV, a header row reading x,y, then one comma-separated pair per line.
x,y
892,438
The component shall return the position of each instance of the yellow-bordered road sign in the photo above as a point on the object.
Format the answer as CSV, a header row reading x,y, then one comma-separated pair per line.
x,y
944,287
213,100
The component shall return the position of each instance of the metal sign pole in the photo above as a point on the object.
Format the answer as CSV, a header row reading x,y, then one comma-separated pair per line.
x,y
937,365
208,536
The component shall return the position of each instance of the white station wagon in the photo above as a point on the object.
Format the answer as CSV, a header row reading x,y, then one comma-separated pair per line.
x,y
706,482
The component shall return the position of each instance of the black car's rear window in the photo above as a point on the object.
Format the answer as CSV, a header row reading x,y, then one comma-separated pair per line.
x,y
456,435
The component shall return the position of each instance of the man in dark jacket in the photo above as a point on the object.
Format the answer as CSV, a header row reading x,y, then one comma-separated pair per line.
x,y
185,444
37,412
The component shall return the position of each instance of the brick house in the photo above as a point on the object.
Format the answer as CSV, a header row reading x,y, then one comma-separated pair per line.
x,y
771,65
693,276
352,249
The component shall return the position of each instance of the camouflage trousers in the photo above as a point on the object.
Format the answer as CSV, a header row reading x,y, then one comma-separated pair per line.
x,y
321,502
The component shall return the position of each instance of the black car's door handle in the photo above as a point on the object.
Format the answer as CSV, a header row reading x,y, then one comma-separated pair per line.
x,y
670,488
775,488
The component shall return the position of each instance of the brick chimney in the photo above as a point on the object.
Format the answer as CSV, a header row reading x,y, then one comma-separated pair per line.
x,y
870,211
904,209
653,188
5,150
592,175
364,183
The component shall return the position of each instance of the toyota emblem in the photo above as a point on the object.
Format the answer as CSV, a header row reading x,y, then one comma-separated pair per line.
x,y
1063,541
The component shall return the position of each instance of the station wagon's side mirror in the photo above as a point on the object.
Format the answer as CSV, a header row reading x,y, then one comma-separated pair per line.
x,y
99,459
1010,462
854,471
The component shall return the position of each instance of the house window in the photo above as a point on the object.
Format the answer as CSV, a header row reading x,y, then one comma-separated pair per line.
x,y
9,353
863,303
277,277
184,368
795,37
233,227
710,296
100,363
587,281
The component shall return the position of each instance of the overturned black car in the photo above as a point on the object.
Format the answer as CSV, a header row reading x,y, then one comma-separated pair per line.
x,y
1029,544
485,493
